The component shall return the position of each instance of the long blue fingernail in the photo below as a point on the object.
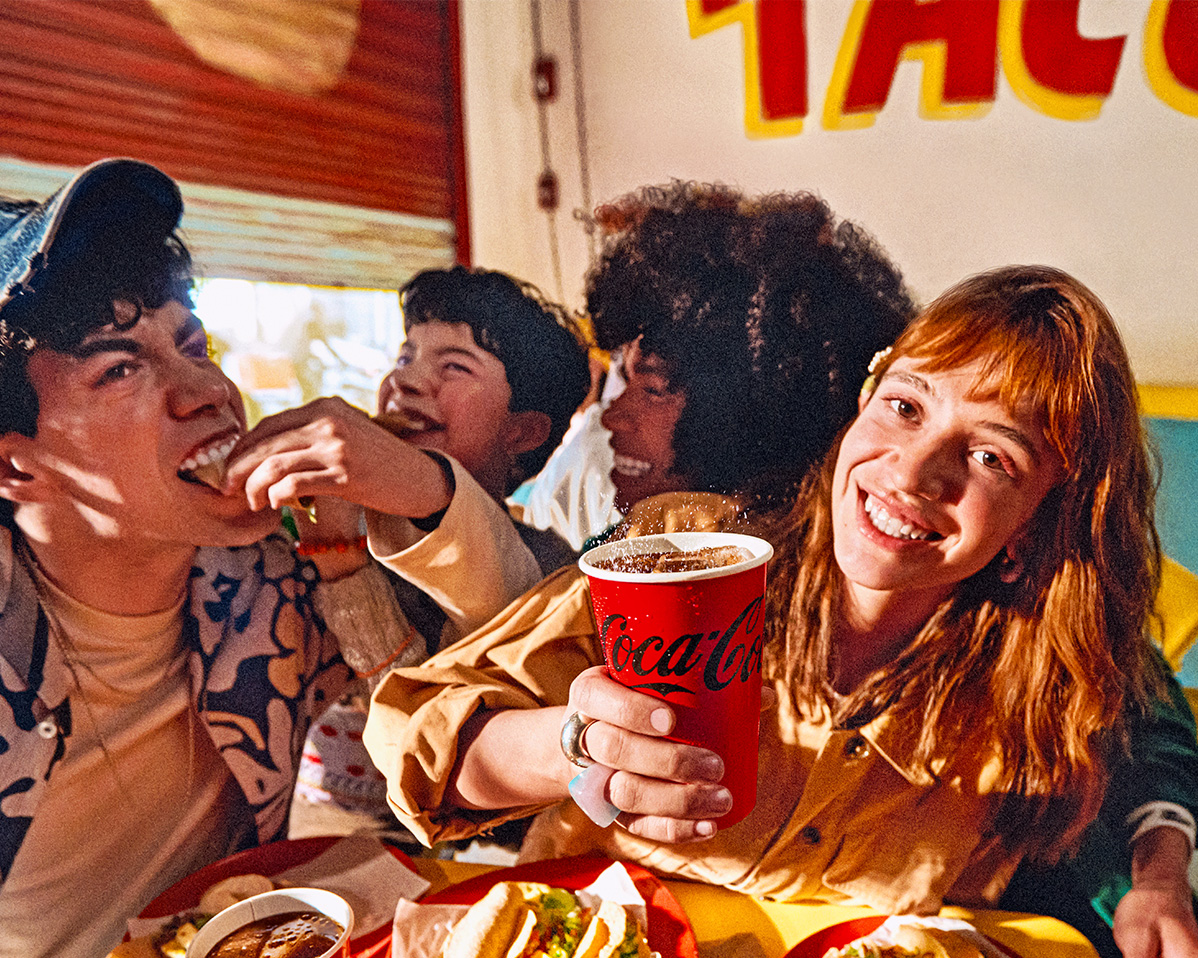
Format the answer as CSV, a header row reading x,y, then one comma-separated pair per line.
x,y
586,788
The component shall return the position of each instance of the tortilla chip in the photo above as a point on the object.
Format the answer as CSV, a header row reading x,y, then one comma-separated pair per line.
x,y
936,942
231,890
142,947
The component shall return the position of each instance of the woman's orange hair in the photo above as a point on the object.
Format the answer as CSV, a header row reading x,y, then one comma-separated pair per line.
x,y
1052,662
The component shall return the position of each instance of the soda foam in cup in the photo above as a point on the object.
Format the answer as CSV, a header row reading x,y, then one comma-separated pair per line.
x,y
680,618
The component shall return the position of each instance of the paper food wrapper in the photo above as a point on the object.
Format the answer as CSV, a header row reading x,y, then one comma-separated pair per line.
x,y
359,868
883,935
419,931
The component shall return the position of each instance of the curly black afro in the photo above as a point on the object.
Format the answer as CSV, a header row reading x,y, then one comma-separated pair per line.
x,y
766,312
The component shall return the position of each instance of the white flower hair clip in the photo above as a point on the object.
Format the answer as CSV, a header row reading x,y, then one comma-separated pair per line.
x,y
871,381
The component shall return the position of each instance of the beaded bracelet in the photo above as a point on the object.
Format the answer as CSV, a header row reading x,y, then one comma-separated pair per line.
x,y
319,548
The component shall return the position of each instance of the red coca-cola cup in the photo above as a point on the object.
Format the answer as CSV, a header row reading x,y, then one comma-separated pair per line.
x,y
690,635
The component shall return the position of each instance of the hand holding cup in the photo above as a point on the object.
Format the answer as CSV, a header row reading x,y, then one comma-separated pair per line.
x,y
680,624
661,789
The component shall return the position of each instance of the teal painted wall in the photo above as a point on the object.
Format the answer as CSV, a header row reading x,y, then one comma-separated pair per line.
x,y
1176,513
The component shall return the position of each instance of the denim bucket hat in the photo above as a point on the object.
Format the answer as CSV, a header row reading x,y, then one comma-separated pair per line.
x,y
104,204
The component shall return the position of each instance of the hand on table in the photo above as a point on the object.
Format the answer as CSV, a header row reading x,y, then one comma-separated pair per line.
x,y
665,791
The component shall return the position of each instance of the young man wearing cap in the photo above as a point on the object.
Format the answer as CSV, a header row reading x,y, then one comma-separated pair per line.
x,y
160,658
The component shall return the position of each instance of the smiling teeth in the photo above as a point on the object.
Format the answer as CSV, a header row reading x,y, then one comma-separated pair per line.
x,y
208,465
631,467
887,524
211,456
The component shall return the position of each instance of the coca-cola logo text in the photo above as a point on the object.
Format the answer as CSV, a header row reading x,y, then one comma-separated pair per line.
x,y
724,655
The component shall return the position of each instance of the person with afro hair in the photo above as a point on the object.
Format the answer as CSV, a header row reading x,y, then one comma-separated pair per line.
x,y
746,325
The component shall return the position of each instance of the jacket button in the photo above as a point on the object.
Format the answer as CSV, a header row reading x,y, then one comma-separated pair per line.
x,y
810,835
856,747
47,728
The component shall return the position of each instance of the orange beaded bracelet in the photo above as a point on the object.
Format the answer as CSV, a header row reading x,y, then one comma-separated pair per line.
x,y
319,548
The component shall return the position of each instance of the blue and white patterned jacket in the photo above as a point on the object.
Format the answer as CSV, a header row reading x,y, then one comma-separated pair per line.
x,y
262,667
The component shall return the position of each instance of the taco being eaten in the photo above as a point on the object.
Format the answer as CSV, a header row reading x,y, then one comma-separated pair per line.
x,y
533,920
208,466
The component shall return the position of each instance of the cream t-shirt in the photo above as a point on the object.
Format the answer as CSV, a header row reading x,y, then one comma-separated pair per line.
x,y
140,799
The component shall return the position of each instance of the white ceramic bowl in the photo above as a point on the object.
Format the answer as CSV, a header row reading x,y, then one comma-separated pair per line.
x,y
277,902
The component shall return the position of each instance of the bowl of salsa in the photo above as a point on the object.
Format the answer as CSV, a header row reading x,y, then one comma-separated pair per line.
x,y
284,923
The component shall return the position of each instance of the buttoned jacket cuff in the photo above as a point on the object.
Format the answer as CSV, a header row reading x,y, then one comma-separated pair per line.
x,y
1161,815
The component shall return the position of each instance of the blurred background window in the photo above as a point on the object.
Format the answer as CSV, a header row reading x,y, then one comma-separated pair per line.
x,y
285,344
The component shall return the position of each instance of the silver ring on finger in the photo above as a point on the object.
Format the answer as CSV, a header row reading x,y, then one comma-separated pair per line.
x,y
572,731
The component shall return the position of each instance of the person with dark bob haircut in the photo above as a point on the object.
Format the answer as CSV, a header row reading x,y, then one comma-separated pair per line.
x,y
535,339
759,313
483,387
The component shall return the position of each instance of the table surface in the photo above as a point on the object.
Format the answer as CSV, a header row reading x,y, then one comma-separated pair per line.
x,y
717,915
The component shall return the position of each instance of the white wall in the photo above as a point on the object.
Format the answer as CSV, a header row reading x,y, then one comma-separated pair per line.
x,y
1113,200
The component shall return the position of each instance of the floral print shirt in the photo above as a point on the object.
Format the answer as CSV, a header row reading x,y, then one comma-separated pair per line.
x,y
262,666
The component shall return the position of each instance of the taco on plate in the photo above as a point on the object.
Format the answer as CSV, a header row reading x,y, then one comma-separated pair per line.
x,y
533,920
